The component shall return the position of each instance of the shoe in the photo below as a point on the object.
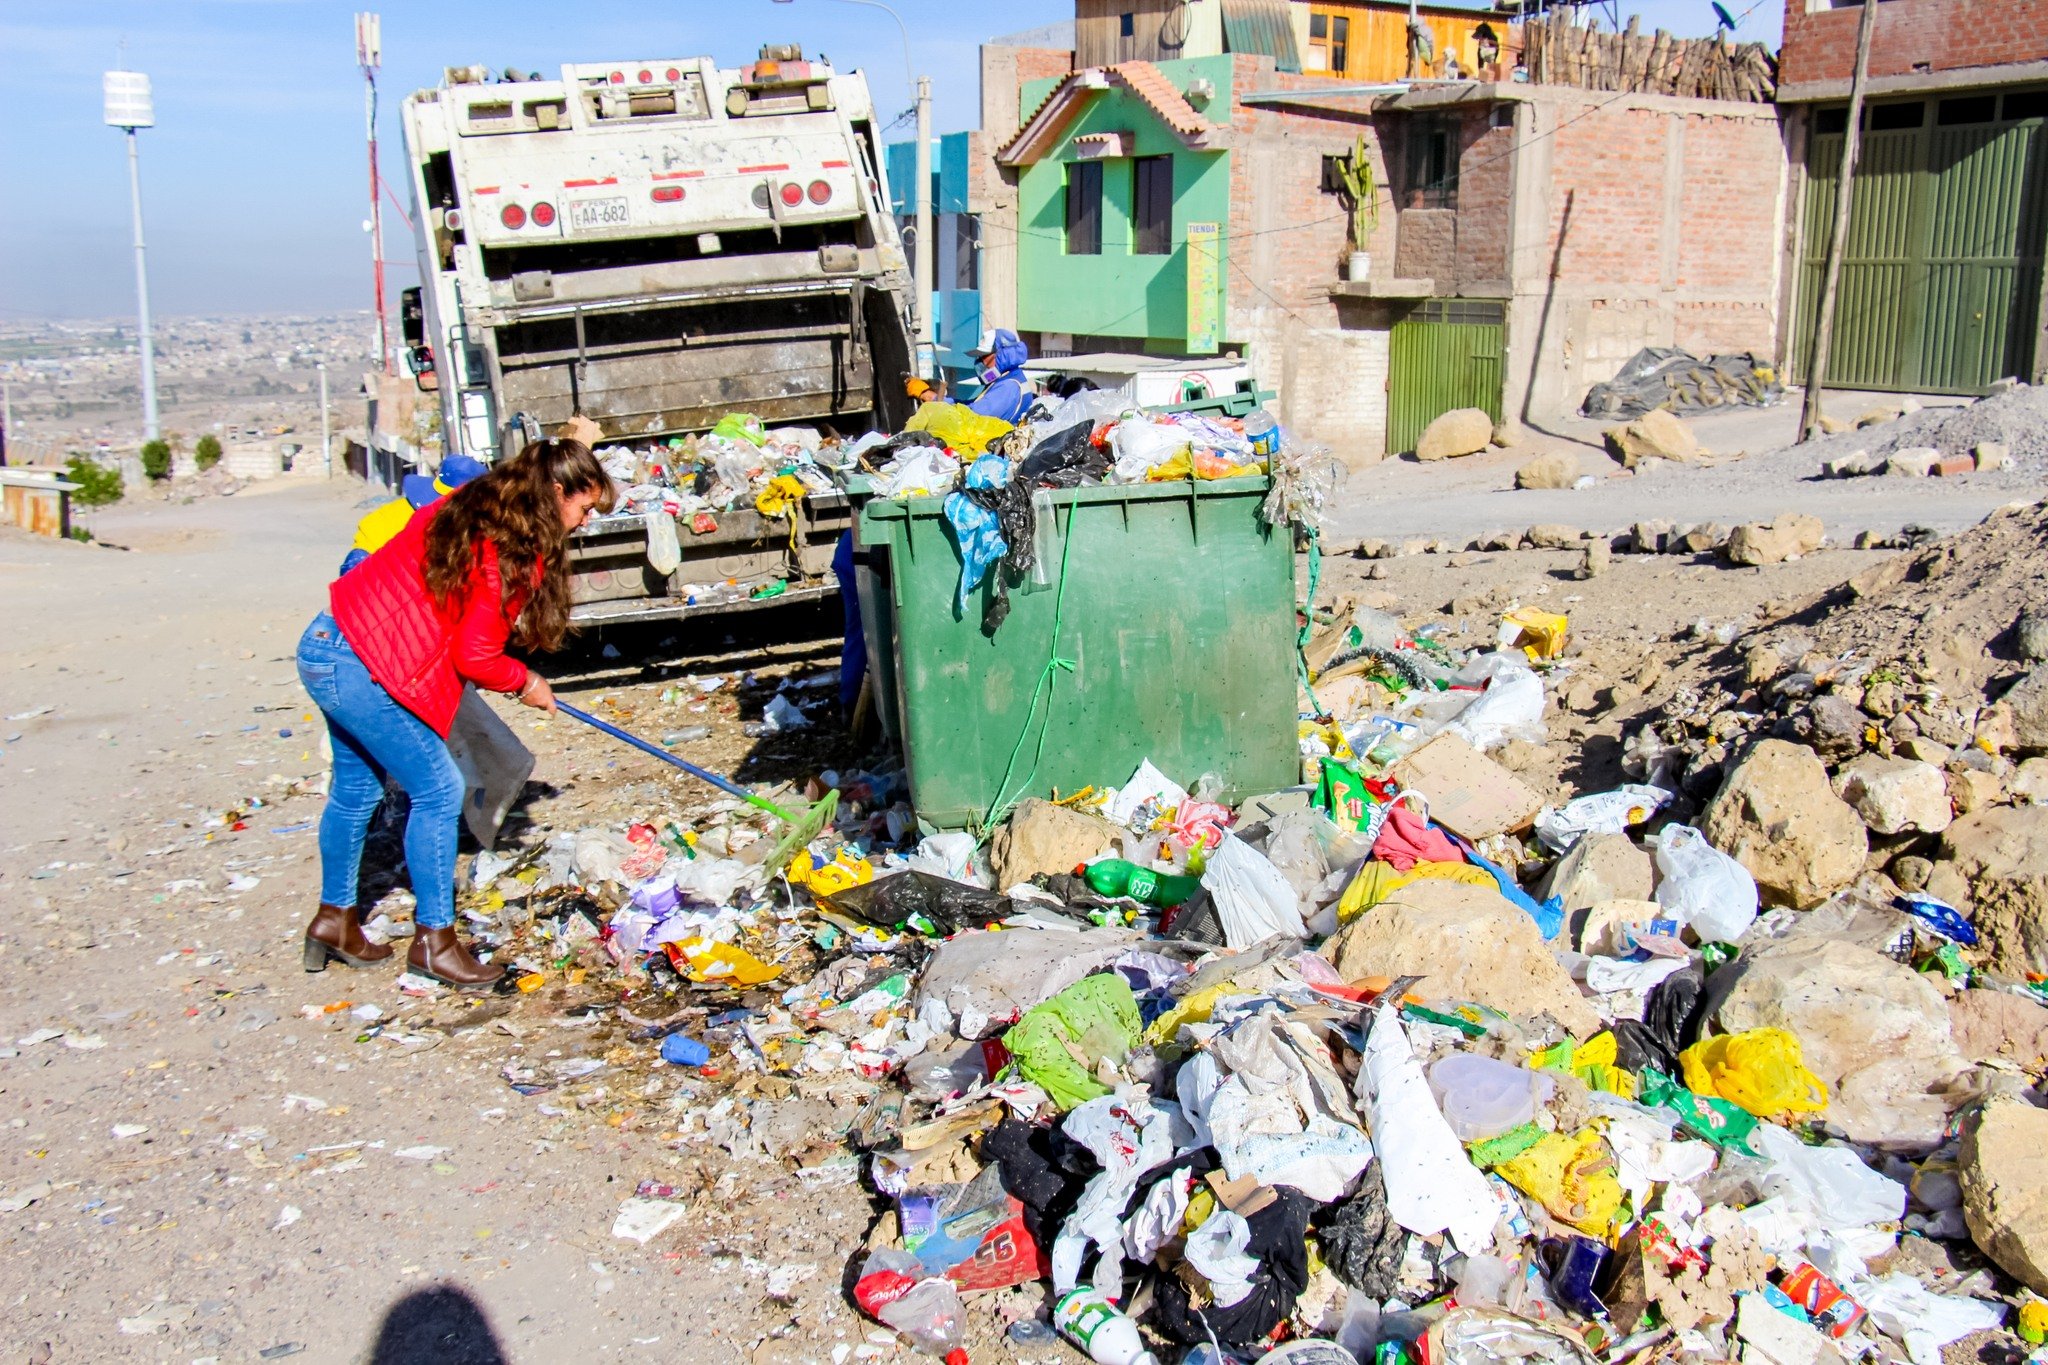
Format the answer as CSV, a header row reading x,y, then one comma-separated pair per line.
x,y
438,954
335,933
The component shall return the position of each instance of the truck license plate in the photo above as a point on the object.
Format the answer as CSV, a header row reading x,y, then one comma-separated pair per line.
x,y
598,213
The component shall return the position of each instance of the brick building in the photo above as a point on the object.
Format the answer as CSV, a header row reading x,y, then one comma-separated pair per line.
x,y
1941,280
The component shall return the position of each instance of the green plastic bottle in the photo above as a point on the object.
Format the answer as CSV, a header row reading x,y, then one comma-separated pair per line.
x,y
1115,877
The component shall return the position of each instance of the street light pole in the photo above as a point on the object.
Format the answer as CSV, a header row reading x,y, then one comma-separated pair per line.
x,y
129,107
920,90
326,432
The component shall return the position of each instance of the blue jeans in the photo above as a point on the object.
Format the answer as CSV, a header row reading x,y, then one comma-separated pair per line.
x,y
374,736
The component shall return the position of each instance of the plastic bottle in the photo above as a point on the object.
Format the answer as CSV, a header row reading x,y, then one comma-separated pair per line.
x,y
1115,877
1086,1317
680,1049
1263,432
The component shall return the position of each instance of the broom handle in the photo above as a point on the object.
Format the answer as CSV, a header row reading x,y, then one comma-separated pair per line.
x,y
724,784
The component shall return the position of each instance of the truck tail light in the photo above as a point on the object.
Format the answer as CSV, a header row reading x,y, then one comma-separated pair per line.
x,y
453,219
792,194
512,216
760,196
543,215
646,78
668,194
674,74
821,192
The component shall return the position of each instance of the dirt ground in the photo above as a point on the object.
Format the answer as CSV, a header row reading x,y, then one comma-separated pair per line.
x,y
217,1156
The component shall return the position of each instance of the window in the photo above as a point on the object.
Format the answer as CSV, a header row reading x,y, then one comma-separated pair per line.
x,y
1154,206
1127,25
1432,171
1969,109
1084,208
1830,122
966,271
2026,104
1329,41
1891,118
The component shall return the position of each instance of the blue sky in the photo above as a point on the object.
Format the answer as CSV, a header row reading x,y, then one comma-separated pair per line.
x,y
254,178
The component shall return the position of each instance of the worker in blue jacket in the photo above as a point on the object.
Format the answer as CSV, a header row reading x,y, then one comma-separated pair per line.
x,y
1006,393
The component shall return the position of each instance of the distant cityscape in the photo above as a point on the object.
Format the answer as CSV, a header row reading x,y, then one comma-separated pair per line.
x,y
75,385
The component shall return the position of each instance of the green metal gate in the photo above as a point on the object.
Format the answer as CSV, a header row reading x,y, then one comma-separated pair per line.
x,y
1941,274
1443,355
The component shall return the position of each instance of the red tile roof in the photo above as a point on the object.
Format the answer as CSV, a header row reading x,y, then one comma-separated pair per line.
x,y
1144,80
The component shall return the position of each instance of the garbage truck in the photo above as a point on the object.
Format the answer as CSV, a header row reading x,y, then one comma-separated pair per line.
x,y
653,245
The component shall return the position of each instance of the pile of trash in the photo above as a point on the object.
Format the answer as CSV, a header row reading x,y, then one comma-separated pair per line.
x,y
1663,377
1400,1063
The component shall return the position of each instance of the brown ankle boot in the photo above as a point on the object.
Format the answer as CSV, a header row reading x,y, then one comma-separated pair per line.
x,y
437,953
334,933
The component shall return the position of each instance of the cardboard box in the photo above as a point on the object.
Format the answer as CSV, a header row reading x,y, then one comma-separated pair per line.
x,y
1468,792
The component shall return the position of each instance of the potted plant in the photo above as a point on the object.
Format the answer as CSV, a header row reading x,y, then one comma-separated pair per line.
x,y
1361,195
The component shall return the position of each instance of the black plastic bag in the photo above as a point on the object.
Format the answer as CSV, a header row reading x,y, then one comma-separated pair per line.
x,y
1279,1244
1065,459
1670,1023
948,906
1362,1243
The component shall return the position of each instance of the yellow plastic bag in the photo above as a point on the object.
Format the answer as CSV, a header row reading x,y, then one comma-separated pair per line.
x,y
783,493
1761,1071
1538,634
966,431
1572,1177
846,871
703,959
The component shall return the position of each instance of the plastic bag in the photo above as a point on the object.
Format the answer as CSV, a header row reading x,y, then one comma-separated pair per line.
x,y
741,426
1572,1177
1511,707
966,431
1066,459
1253,900
1305,480
1127,1136
1841,1191
1483,1098
1608,812
1761,1070
1086,409
922,472
1716,1120
1703,888
1140,444
919,899
1148,786
1216,1249
1537,633
1432,1185
978,529
1095,1017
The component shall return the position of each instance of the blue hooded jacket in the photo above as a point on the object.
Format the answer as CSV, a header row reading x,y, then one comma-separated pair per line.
x,y
1007,395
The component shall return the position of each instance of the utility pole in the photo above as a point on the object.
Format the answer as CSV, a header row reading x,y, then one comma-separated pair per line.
x,y
927,357
369,55
129,107
326,430
1845,186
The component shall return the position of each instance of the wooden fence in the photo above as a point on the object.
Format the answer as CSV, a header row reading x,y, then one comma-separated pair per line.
x,y
1557,51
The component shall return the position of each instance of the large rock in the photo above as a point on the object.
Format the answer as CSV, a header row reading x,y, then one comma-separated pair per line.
x,y
1467,943
1557,470
2004,1170
1999,1024
1461,431
1875,1031
2029,702
1996,867
1043,838
1791,535
1776,815
1896,795
1599,867
1656,435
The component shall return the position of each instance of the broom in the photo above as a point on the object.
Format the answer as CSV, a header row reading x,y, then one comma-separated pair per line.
x,y
800,828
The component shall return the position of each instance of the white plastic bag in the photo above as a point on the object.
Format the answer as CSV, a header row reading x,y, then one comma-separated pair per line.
x,y
1252,899
1141,445
1704,888
1924,1320
1608,812
1432,1186
1841,1192
1089,405
1129,1137
924,471
946,855
1511,707
1217,1250
1147,785
664,549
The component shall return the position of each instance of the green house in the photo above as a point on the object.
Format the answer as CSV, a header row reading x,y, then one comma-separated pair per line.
x,y
1123,185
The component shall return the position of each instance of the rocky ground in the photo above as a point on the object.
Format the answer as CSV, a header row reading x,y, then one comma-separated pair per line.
x,y
208,1153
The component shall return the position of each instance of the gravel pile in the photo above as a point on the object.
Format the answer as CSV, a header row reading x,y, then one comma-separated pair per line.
x,y
2017,418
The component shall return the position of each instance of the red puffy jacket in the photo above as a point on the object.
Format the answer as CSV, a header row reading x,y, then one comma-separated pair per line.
x,y
420,651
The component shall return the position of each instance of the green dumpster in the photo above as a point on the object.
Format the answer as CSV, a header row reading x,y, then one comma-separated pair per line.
x,y
1175,643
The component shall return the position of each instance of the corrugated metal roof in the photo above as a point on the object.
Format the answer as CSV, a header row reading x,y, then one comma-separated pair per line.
x,y
1261,26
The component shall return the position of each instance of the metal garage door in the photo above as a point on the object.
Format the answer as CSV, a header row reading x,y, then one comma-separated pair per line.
x,y
1940,288
1443,355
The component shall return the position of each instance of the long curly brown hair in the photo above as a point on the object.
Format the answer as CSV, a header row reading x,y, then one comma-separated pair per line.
x,y
518,508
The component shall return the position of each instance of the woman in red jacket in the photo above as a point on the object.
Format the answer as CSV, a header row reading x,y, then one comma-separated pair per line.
x,y
431,610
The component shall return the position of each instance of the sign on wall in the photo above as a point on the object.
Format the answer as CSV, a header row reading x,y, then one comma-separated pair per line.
x,y
1205,294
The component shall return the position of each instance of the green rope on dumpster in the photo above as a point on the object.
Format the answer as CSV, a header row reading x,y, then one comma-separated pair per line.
x,y
999,808
1308,615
